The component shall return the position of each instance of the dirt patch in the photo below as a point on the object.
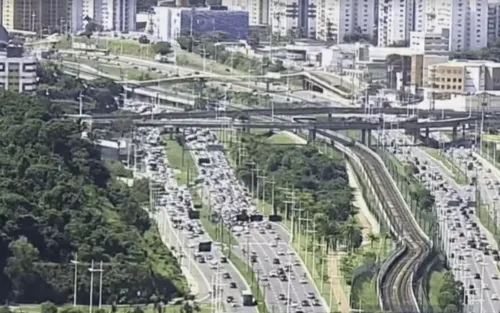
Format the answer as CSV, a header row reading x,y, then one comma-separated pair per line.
x,y
338,292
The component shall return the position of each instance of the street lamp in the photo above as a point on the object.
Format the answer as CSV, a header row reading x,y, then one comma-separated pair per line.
x,y
75,262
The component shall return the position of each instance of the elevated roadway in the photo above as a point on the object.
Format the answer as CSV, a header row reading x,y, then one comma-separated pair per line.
x,y
343,125
324,80
315,110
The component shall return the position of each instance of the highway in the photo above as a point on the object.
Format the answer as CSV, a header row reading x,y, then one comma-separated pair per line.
x,y
325,79
212,276
268,242
310,110
456,228
340,125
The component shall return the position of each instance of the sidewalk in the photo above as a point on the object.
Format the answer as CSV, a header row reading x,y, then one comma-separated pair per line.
x,y
338,292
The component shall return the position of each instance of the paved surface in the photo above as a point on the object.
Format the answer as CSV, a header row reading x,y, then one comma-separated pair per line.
x,y
268,242
184,235
458,227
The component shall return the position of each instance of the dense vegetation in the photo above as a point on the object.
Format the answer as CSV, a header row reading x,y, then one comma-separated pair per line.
x,y
450,295
99,95
320,184
57,198
491,52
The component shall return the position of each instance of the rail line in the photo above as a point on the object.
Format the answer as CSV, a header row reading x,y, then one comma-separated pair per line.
x,y
397,287
397,291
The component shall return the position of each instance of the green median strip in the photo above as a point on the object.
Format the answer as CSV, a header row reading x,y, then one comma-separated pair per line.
x,y
181,160
458,175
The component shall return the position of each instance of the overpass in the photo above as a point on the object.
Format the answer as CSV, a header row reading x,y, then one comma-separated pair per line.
x,y
410,126
324,80
282,111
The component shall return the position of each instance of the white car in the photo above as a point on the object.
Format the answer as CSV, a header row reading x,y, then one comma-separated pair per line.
x,y
494,276
281,252
494,296
303,281
273,273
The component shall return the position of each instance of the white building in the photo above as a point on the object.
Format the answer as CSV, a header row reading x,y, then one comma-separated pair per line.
x,y
395,20
297,16
493,21
258,10
337,18
112,15
465,20
430,43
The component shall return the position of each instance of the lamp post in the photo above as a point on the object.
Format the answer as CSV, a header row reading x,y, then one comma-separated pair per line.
x,y
75,262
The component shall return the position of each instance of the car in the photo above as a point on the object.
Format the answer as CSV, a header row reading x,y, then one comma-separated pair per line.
x,y
263,278
294,304
233,285
315,302
310,295
273,273
283,278
276,261
494,276
281,297
494,296
477,276
226,275
229,299
303,281
305,303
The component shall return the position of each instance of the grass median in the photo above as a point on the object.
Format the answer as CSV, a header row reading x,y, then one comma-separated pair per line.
x,y
181,160
457,174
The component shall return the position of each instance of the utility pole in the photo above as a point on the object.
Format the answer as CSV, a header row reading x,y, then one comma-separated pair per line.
x,y
256,170
75,262
263,191
306,220
100,284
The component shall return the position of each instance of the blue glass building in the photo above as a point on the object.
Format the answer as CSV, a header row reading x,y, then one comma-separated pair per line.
x,y
205,22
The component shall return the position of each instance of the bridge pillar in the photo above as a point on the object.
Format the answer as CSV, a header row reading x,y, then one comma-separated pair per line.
x,y
454,133
369,138
463,130
329,117
416,134
171,133
267,85
427,133
312,135
363,136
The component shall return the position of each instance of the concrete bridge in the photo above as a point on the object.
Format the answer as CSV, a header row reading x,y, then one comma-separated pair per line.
x,y
286,111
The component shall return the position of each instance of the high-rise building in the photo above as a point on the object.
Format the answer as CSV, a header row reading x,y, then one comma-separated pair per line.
x,y
466,21
258,10
45,16
493,21
293,17
337,18
116,15
395,20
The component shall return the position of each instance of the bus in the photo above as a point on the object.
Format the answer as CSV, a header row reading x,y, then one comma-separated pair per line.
x,y
247,297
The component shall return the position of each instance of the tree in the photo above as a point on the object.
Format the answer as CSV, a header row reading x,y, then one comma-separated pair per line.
x,y
351,233
373,238
48,307
144,40
162,48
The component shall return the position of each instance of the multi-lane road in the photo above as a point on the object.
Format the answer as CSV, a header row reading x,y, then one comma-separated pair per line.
x,y
458,227
276,266
216,280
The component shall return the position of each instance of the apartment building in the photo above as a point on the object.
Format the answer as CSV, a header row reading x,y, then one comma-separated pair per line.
x,y
337,18
45,16
293,16
395,20
258,10
112,15
493,21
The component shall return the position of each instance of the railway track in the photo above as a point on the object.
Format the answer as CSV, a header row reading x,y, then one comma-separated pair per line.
x,y
397,285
